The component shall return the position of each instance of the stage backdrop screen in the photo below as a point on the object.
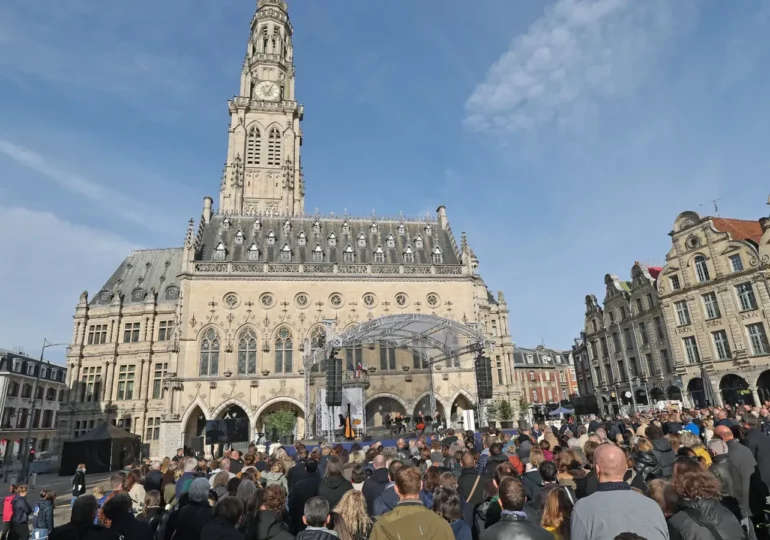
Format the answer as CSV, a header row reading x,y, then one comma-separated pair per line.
x,y
227,431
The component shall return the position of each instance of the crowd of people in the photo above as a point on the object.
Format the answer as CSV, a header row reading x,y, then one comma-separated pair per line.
x,y
701,475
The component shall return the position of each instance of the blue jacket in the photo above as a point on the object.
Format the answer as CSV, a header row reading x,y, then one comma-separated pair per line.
x,y
43,518
386,502
21,510
183,484
461,530
427,498
692,428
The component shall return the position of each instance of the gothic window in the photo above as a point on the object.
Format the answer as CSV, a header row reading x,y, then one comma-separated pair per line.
x,y
253,253
348,255
247,353
428,230
226,224
253,146
317,227
283,352
418,242
274,147
391,241
361,240
373,227
379,255
257,225
401,228
438,258
239,238
408,255
318,253
317,341
209,353
219,252
701,269
172,293
332,240
271,239
286,253
345,228
301,239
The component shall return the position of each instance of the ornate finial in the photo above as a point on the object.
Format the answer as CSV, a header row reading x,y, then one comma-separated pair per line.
x,y
464,242
83,299
500,297
189,236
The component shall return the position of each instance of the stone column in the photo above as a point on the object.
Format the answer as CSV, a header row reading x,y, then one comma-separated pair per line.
x,y
144,379
110,386
755,395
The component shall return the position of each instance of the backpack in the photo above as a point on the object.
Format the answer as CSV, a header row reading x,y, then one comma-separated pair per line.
x,y
7,508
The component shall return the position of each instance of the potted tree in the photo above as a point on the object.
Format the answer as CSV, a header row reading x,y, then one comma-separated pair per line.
x,y
505,411
280,425
491,410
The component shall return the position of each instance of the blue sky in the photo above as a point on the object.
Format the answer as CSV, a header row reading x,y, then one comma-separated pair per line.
x,y
564,137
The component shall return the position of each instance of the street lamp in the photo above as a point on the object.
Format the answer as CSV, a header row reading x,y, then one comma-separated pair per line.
x,y
25,458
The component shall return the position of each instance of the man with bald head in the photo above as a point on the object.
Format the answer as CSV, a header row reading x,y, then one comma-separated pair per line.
x,y
615,508
376,483
743,466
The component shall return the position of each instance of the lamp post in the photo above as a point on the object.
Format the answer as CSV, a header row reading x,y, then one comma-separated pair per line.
x,y
25,458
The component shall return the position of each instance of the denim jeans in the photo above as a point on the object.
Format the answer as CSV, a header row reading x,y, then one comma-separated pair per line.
x,y
39,534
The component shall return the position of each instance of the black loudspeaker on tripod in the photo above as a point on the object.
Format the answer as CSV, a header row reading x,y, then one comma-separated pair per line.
x,y
334,382
483,377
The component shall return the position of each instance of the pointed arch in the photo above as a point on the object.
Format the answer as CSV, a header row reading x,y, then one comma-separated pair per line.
x,y
247,350
228,403
274,144
197,403
253,145
210,346
284,350
317,337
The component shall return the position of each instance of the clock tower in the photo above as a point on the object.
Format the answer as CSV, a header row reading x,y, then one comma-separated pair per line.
x,y
263,173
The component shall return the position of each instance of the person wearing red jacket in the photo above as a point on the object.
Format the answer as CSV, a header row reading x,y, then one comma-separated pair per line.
x,y
8,511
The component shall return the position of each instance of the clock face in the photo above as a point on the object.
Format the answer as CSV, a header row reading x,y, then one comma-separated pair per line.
x,y
267,90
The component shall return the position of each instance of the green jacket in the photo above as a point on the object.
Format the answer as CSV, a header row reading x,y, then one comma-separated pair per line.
x,y
409,520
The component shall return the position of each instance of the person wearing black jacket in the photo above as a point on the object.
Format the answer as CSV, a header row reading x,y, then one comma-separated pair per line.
x,y
496,457
153,479
513,524
759,444
42,523
21,512
662,449
227,513
297,472
81,525
334,485
78,483
122,521
303,491
376,483
470,487
196,514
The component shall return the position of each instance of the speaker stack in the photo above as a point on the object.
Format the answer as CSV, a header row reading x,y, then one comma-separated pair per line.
x,y
483,377
334,382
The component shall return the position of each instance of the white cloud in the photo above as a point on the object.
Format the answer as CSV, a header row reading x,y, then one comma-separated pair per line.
x,y
47,262
577,53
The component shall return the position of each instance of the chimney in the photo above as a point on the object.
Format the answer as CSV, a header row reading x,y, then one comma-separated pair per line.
x,y
442,219
207,204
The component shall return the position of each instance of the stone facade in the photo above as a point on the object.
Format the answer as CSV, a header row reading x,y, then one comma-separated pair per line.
x,y
715,297
18,388
627,343
222,325
544,377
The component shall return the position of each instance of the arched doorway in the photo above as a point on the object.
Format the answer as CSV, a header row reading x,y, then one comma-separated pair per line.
x,y
735,390
657,394
763,386
195,428
641,397
276,406
456,412
377,408
697,392
423,406
674,393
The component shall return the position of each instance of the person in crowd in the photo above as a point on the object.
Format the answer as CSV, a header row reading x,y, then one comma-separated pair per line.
x,y
232,486
197,513
122,520
470,486
545,446
316,518
351,521
446,503
605,513
42,521
548,472
663,493
169,487
388,500
227,514
219,482
8,511
297,472
117,481
334,485
531,479
724,420
376,483
570,469
301,494
78,483
358,477
759,444
723,470
264,519
663,450
557,513
154,478
645,463
245,492
689,440
701,516
276,475
236,462
429,484
524,448
135,491
81,525
410,518
496,457
152,513
514,523
21,512
187,478
488,513
179,455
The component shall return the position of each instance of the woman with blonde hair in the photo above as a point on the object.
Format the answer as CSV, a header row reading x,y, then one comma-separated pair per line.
x,y
351,521
135,490
281,455
164,465
557,513
219,485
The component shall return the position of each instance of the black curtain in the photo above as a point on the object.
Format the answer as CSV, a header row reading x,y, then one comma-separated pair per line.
x,y
94,454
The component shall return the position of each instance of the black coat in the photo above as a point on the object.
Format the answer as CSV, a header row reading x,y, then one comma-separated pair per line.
x,y
493,462
268,526
666,456
131,528
532,483
464,488
333,488
87,531
295,474
759,444
317,534
219,529
304,491
373,488
511,527
78,483
153,481
21,510
586,486
44,516
192,518
683,526
151,516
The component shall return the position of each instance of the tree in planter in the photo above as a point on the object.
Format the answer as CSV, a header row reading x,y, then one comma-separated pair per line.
x,y
281,422
491,411
505,411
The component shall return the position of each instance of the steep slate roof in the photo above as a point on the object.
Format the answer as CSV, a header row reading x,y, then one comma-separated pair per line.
x,y
739,229
216,231
142,271
541,357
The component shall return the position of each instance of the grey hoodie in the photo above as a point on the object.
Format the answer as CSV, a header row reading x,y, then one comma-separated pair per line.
x,y
278,478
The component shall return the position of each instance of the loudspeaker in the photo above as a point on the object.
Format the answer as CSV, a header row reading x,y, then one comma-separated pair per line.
x,y
483,377
334,383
